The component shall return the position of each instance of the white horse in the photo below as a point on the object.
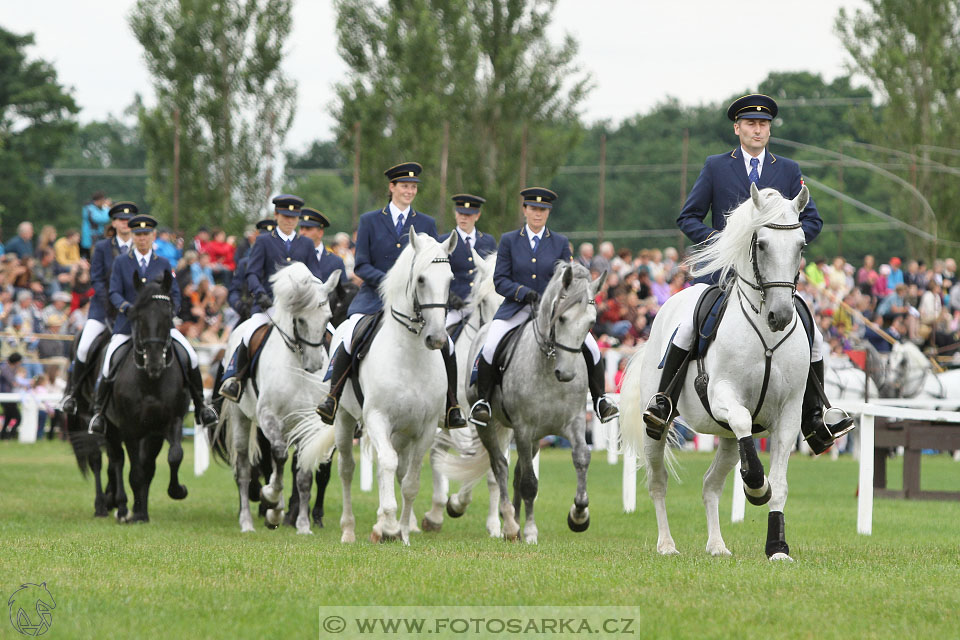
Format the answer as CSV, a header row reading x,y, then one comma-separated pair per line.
x,y
404,386
289,378
484,302
761,245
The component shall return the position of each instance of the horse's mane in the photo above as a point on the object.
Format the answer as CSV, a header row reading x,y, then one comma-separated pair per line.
x,y
482,288
733,242
396,286
574,294
295,289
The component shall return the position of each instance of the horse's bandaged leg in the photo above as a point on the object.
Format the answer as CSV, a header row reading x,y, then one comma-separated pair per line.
x,y
179,337
116,340
591,344
776,543
91,329
751,469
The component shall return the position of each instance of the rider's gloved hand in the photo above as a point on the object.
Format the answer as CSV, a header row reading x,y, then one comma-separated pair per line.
x,y
531,297
264,301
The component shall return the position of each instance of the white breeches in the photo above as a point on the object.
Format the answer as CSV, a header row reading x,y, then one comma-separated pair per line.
x,y
253,323
684,335
91,329
118,339
499,328
454,316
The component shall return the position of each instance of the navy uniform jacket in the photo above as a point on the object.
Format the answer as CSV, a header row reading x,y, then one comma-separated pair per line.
x,y
519,269
104,253
269,253
122,289
461,261
330,262
238,286
723,185
378,247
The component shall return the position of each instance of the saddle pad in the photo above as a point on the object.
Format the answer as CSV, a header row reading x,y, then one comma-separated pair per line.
x,y
257,340
709,311
504,352
363,334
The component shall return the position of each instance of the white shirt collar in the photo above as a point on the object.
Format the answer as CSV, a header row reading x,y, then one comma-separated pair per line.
x,y
747,157
472,235
395,213
140,257
286,237
533,235
125,245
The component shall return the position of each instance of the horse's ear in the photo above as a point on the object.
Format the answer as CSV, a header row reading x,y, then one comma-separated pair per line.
x,y
597,284
567,275
167,280
413,239
332,284
451,243
802,199
755,195
136,280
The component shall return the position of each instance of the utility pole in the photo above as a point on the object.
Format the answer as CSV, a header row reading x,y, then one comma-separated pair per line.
x,y
176,169
684,153
603,186
444,156
356,176
523,167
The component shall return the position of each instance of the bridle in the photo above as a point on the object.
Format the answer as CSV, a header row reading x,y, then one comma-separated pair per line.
x,y
297,342
760,285
415,323
548,344
140,344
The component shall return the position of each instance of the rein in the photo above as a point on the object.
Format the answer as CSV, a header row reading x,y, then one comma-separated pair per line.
x,y
548,344
760,285
415,323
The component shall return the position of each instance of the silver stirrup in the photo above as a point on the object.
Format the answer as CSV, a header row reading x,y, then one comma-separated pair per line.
x,y
223,386
828,423
480,402
596,409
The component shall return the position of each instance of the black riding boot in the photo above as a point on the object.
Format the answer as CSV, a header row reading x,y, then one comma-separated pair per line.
x,y
816,432
204,416
80,370
454,416
98,423
661,406
596,379
487,374
232,387
338,378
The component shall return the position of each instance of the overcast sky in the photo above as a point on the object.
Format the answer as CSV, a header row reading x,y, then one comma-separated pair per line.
x,y
638,52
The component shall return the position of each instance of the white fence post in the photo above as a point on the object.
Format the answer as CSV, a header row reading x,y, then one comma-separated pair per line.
x,y
629,481
366,464
865,492
739,499
613,440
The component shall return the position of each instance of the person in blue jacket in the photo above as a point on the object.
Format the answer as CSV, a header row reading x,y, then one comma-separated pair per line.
x,y
141,261
93,217
381,236
466,213
279,248
312,225
238,295
724,183
526,260
101,265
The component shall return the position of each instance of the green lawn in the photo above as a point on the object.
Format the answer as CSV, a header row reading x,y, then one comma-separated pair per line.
x,y
189,573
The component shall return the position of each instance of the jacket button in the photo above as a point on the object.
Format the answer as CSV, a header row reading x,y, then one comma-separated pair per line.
x,y
534,276
533,259
143,279
288,258
398,245
469,259
471,271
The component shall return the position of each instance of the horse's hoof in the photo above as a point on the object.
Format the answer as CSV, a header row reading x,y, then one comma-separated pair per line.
x,y
269,497
318,521
429,525
375,537
304,532
578,527
101,513
178,492
780,557
758,500
718,551
451,512
347,537
290,519
511,536
274,517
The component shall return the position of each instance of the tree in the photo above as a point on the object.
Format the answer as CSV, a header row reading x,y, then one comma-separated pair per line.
x,y
36,120
316,176
910,53
480,74
216,70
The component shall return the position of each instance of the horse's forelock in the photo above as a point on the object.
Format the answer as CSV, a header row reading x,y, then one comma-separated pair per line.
x,y
296,289
573,295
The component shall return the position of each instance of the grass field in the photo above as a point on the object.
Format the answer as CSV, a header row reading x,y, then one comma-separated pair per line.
x,y
189,573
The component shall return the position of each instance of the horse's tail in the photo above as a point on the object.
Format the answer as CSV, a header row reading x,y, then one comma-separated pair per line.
x,y
217,435
632,406
313,439
84,444
469,466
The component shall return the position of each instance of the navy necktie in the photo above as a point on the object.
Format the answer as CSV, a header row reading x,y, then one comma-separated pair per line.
x,y
288,242
536,243
754,173
143,264
400,224
468,244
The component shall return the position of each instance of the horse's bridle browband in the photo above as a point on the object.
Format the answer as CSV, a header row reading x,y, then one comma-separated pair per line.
x,y
415,324
760,285
548,344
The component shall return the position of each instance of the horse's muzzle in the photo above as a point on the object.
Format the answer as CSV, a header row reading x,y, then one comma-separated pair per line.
x,y
778,321
564,376
436,342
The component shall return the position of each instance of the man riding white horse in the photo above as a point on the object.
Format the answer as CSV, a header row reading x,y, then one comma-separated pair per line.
x,y
381,236
466,212
101,265
723,184
280,247
525,262
143,263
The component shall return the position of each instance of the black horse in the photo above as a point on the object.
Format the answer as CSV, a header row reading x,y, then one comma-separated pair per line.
x,y
150,398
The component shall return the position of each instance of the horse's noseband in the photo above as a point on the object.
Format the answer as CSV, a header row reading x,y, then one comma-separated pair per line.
x,y
297,342
415,323
760,285
548,344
